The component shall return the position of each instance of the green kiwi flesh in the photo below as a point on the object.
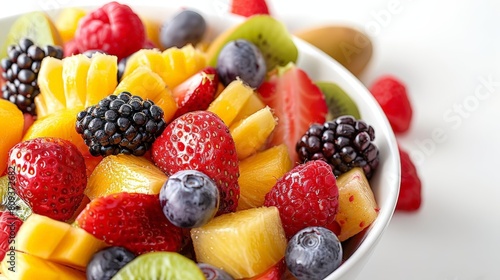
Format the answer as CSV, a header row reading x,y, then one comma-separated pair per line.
x,y
268,34
338,101
160,265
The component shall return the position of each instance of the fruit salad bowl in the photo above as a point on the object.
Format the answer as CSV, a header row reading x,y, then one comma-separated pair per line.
x,y
319,67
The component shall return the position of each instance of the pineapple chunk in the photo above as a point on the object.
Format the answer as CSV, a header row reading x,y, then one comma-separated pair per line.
x,y
182,63
250,134
253,104
259,173
243,243
75,69
229,102
357,205
124,173
51,86
101,77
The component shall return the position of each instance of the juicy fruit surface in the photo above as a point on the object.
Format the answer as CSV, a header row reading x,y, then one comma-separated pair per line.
x,y
160,265
339,102
9,226
313,253
107,262
135,221
49,175
185,28
306,196
200,141
124,173
391,94
189,198
357,205
410,192
297,103
241,59
249,8
114,28
230,101
244,243
12,121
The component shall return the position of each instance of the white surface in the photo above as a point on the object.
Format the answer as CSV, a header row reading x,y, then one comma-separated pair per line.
x,y
444,51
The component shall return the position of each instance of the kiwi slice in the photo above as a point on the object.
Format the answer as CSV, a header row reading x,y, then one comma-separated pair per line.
x,y
267,33
37,26
160,265
339,102
10,201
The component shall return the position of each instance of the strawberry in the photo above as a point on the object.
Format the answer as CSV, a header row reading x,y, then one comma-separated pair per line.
x,y
410,192
49,174
113,28
392,96
197,92
305,196
297,103
200,140
131,220
9,225
248,8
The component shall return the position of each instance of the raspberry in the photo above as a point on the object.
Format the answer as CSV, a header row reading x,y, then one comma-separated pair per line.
x,y
410,193
392,96
305,196
113,28
248,8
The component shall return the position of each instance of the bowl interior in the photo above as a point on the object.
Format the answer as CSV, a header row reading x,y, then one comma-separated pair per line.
x,y
319,66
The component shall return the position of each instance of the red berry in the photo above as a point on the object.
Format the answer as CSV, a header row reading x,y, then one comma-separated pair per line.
x,y
410,193
49,174
392,96
9,225
248,8
305,196
197,92
131,220
200,140
297,103
71,48
275,272
113,28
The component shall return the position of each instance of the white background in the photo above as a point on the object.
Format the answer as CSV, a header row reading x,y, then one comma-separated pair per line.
x,y
448,54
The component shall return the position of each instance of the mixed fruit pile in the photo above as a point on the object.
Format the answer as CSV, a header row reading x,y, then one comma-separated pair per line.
x,y
136,149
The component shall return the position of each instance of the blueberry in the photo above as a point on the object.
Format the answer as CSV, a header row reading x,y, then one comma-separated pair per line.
x,y
313,253
213,273
241,58
187,27
106,263
189,198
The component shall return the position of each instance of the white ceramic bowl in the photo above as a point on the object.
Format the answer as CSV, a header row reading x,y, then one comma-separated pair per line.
x,y
320,66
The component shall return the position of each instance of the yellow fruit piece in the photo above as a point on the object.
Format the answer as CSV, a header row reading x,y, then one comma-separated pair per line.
x,y
150,58
252,105
259,173
124,173
229,102
357,205
57,242
37,25
243,243
75,69
182,63
152,28
251,133
149,85
101,78
67,22
28,267
77,248
60,124
13,122
40,235
51,85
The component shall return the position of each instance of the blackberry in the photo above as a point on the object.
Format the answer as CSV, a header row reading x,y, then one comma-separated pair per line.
x,y
120,124
344,143
20,71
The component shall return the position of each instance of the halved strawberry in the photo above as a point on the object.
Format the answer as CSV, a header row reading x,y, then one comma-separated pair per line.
x,y
9,225
297,103
131,220
197,92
